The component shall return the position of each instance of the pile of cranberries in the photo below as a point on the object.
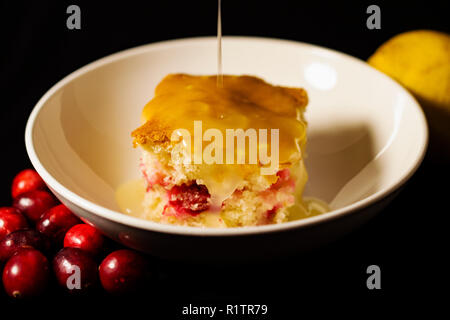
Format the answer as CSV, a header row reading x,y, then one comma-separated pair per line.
x,y
41,241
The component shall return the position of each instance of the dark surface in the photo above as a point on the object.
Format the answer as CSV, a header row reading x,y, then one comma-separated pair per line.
x,y
407,240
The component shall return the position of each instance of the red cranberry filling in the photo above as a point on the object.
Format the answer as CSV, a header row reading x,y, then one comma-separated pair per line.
x,y
284,180
188,199
270,214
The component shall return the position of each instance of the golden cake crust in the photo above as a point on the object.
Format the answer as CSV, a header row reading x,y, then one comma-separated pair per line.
x,y
151,132
249,91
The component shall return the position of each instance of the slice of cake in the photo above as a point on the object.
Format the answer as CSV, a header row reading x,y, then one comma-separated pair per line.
x,y
222,156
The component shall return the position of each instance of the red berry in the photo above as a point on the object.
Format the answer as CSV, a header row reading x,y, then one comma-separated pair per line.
x,y
56,222
26,274
34,203
285,180
190,199
85,237
17,240
122,271
75,270
11,220
26,180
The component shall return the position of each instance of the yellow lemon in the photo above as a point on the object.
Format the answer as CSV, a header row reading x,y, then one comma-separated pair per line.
x,y
420,61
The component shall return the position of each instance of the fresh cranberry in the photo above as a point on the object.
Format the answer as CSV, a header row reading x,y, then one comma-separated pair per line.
x,y
85,237
26,180
26,274
11,220
34,203
75,270
56,222
190,199
122,271
17,240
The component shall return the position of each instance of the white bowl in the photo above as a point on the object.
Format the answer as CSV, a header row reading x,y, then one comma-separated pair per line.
x,y
367,136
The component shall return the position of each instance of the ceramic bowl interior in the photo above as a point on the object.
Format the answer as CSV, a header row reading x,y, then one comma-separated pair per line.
x,y
366,134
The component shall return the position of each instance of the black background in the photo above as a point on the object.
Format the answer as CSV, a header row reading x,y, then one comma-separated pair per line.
x,y
406,240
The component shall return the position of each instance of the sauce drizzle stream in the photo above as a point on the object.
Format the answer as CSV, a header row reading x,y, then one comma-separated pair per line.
x,y
219,46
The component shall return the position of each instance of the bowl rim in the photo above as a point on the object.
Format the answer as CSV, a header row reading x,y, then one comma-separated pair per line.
x,y
139,223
